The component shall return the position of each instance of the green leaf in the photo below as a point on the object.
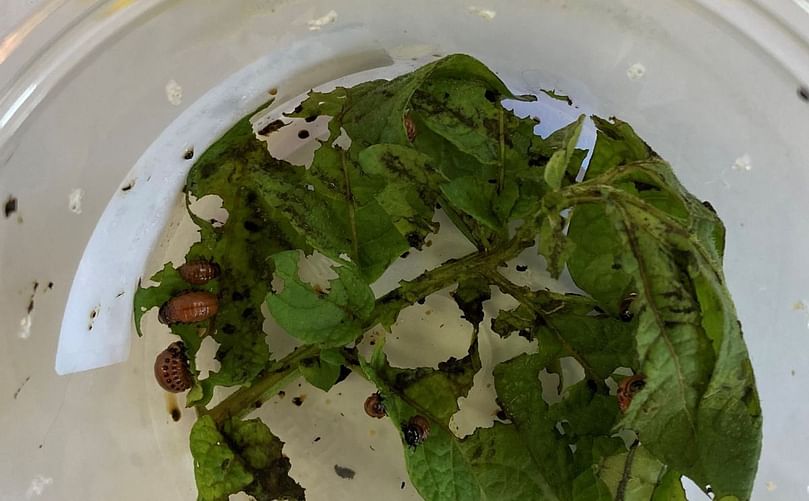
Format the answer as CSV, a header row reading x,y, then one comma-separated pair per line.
x,y
670,488
558,164
410,188
616,144
632,475
330,320
217,469
474,196
242,456
324,370
262,454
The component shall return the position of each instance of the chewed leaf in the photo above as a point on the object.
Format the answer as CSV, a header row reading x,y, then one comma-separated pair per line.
x,y
323,371
329,319
558,164
169,284
241,456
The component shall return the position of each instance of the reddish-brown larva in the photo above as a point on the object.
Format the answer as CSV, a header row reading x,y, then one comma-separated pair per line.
x,y
410,128
628,388
189,308
199,272
374,406
171,369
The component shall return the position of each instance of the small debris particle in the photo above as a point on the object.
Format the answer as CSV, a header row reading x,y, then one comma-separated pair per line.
x,y
428,243
403,485
174,93
636,71
404,255
792,372
274,91
799,306
428,312
522,267
803,93
10,206
17,393
188,154
343,472
50,286
282,394
744,163
298,401
257,404
771,486
319,22
75,199
487,14
317,439
422,301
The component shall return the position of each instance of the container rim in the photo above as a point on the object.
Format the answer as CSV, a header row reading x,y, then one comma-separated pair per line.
x,y
43,49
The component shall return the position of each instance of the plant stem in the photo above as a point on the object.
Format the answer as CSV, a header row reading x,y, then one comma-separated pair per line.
x,y
387,308
281,373
519,294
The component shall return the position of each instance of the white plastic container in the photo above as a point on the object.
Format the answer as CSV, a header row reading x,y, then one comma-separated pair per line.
x,y
720,89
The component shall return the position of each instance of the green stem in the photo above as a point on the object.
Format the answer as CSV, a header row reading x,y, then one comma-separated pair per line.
x,y
519,293
387,308
244,400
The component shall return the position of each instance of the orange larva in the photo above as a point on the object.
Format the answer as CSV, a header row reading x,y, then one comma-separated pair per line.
x,y
374,406
199,272
410,128
189,308
628,388
171,369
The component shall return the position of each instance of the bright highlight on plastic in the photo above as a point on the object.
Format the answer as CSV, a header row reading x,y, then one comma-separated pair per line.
x,y
320,22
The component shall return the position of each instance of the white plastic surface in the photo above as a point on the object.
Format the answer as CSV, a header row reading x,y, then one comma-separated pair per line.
x,y
718,100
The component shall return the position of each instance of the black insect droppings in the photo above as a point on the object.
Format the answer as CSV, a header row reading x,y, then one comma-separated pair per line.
x,y
405,254
491,95
257,404
803,93
128,186
303,134
19,389
344,373
10,206
501,415
50,286
282,394
228,328
403,485
274,91
317,439
298,401
188,154
422,301
522,267
176,414
343,472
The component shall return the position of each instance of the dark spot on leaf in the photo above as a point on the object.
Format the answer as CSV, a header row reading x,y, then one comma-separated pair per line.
x,y
298,401
228,328
803,93
522,267
257,404
272,127
251,197
248,312
236,296
491,181
343,472
344,373
251,226
592,386
477,453
415,240
617,266
303,134
225,464
709,206
491,95
10,206
641,186
501,415
207,170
